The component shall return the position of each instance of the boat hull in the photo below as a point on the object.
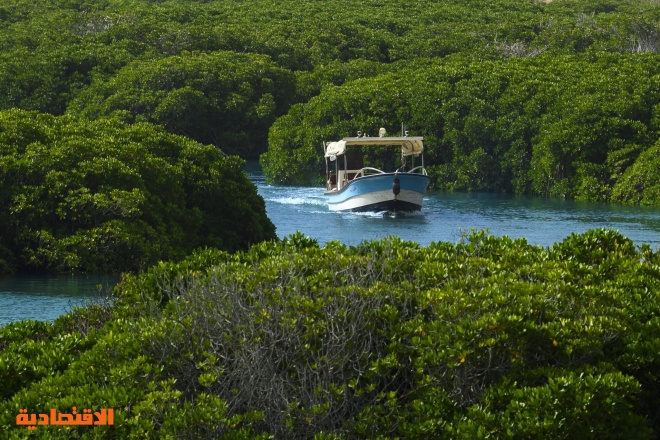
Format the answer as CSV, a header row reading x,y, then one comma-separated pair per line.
x,y
375,193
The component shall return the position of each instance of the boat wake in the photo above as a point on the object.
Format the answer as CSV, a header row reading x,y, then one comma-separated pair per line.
x,y
293,200
292,196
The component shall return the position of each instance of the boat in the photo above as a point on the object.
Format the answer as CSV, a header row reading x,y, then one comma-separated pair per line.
x,y
353,187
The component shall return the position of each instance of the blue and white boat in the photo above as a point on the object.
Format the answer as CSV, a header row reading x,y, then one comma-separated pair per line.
x,y
351,186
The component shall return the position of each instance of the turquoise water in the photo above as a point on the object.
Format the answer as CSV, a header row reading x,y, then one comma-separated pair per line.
x,y
445,217
45,297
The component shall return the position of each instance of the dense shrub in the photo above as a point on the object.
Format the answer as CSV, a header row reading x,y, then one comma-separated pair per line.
x,y
639,183
546,98
571,126
488,337
224,98
106,196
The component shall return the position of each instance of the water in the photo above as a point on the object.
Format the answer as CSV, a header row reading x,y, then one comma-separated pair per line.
x,y
444,217
45,297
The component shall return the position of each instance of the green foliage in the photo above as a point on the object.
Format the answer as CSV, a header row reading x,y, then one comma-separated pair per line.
x,y
224,98
96,58
105,196
569,405
547,125
487,337
639,183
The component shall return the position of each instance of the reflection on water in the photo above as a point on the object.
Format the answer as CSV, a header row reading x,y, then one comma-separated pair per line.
x,y
45,297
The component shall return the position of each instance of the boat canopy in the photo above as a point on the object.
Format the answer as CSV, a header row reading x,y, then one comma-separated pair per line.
x,y
409,145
